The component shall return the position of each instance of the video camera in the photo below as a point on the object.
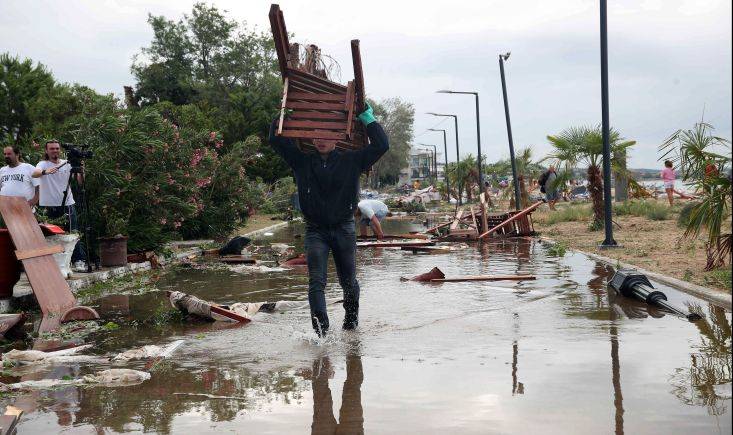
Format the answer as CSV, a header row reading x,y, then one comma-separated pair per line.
x,y
76,154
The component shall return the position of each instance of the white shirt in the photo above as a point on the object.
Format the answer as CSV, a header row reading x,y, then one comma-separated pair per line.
x,y
18,181
53,185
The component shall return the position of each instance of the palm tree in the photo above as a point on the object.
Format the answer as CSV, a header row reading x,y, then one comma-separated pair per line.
x,y
694,151
584,145
463,177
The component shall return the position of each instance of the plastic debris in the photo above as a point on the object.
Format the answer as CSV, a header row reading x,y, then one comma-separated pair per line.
x,y
149,351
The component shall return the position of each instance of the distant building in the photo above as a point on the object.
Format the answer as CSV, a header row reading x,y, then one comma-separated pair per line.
x,y
420,167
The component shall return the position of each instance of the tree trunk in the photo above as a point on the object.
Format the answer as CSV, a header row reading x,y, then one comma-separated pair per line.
x,y
595,188
621,187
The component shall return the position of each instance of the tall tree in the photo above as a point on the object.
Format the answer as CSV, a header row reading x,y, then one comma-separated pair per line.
x,y
21,84
397,117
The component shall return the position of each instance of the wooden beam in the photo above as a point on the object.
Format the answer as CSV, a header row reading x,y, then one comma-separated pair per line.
x,y
349,106
38,252
456,220
282,107
486,278
359,90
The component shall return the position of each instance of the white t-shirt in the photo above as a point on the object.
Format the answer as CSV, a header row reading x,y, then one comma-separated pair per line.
x,y
53,185
18,181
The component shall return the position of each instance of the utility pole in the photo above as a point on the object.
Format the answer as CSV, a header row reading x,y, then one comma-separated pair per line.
x,y
517,194
608,208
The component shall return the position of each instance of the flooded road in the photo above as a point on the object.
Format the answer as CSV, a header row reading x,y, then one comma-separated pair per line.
x,y
560,354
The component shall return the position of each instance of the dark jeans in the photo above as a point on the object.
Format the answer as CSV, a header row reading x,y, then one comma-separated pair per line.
x,y
340,239
72,224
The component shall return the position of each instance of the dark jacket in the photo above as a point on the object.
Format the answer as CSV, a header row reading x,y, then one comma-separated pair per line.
x,y
328,190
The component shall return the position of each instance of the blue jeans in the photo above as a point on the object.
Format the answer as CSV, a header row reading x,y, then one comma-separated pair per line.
x,y
340,239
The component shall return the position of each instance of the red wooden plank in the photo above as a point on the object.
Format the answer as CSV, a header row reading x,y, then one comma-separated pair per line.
x,y
302,114
358,76
349,103
307,105
304,77
49,286
313,134
339,98
322,125
280,36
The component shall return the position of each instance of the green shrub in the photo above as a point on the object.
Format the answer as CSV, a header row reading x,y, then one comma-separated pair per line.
x,y
658,213
557,249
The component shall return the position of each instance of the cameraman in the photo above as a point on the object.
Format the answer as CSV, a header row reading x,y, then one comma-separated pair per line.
x,y
55,174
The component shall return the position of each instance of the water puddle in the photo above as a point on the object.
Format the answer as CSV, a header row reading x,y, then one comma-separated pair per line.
x,y
560,354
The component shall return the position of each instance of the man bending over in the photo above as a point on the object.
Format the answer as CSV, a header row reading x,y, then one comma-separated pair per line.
x,y
370,213
328,188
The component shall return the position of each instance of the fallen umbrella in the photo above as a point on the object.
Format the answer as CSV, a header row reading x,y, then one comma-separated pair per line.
x,y
636,285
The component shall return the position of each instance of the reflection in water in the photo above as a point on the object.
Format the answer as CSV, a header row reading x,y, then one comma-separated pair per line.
x,y
351,415
517,387
617,305
709,375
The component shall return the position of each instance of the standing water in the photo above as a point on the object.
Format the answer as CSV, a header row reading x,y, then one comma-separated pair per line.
x,y
561,354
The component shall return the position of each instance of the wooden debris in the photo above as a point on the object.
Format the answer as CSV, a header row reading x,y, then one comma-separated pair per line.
x,y
317,108
519,223
427,249
436,275
394,244
54,296
9,420
486,278
237,259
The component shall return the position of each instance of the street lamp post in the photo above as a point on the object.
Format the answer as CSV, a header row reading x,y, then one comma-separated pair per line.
x,y
478,135
609,241
458,152
445,170
517,194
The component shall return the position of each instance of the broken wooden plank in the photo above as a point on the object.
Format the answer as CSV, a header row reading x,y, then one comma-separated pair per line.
x,y
456,220
314,134
49,286
283,107
519,215
485,278
394,244
427,249
237,259
38,252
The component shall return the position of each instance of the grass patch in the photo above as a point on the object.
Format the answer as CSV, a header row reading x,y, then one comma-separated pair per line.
x,y
652,210
557,249
720,278
569,214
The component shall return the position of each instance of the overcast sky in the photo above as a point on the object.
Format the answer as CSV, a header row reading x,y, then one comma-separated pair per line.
x,y
669,59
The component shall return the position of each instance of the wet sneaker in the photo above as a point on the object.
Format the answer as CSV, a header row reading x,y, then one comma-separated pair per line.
x,y
350,325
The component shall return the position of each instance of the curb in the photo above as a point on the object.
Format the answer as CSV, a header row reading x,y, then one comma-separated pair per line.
x,y
255,233
716,297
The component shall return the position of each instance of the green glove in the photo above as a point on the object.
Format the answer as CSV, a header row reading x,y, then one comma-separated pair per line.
x,y
367,116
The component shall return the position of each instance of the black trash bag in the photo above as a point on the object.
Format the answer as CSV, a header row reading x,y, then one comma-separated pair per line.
x,y
235,246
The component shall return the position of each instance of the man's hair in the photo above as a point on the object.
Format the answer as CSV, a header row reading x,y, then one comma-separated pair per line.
x,y
668,163
15,148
